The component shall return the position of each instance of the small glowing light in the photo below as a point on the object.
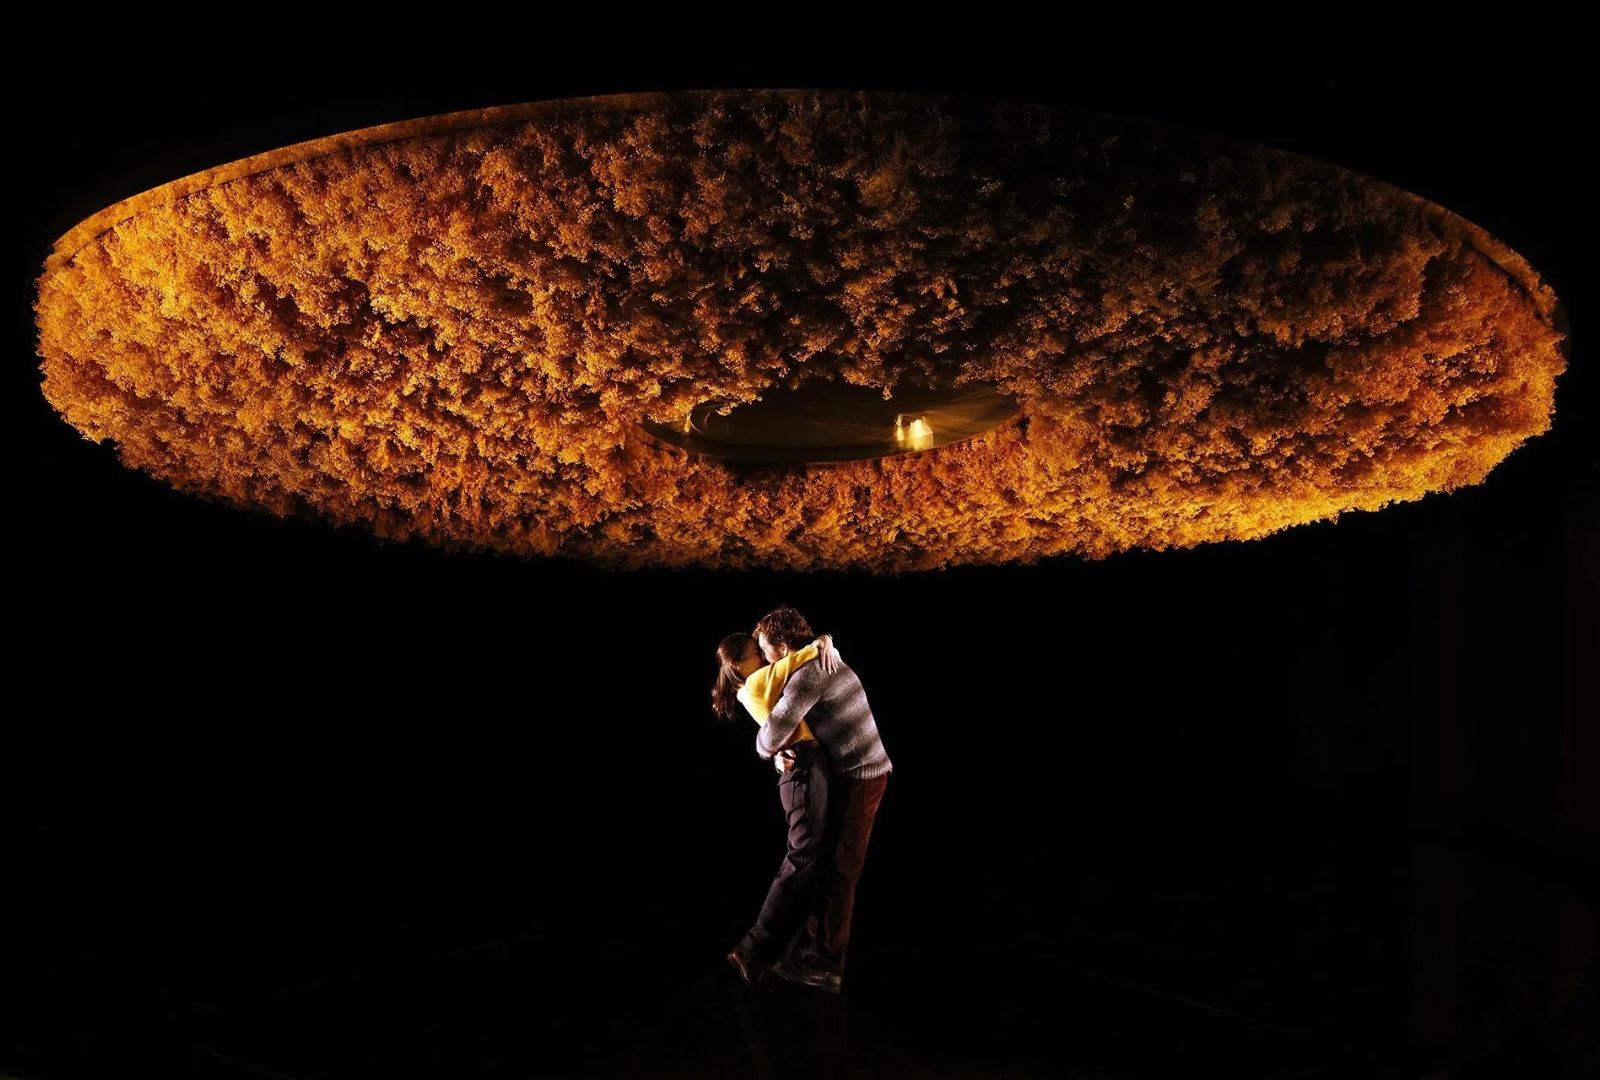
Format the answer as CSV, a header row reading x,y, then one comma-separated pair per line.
x,y
913,432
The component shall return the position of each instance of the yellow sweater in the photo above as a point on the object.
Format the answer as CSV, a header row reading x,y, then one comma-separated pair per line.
x,y
763,688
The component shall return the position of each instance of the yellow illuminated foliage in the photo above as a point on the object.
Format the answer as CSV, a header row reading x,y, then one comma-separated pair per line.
x,y
449,330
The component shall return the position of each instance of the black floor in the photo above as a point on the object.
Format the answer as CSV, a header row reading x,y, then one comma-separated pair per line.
x,y
534,1008
1293,986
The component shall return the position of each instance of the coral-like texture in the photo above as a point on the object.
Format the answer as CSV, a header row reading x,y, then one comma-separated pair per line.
x,y
450,329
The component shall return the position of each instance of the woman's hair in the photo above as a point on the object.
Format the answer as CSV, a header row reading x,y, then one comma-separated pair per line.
x,y
786,626
724,693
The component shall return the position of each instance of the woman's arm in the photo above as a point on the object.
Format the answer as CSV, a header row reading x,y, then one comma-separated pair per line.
x,y
765,685
763,688
827,656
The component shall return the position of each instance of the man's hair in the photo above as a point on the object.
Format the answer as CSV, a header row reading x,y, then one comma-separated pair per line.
x,y
786,626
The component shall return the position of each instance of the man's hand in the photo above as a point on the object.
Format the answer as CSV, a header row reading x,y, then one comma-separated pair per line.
x,y
783,760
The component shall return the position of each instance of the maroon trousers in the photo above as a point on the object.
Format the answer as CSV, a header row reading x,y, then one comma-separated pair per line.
x,y
852,808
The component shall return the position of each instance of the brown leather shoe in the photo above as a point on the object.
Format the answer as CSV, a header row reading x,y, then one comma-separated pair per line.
x,y
750,972
808,976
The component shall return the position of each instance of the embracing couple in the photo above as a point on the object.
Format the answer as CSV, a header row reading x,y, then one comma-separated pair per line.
x,y
817,729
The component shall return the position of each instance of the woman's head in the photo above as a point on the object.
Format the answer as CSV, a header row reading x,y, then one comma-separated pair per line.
x,y
737,657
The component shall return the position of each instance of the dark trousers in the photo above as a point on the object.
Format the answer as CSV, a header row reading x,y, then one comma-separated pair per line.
x,y
852,808
804,792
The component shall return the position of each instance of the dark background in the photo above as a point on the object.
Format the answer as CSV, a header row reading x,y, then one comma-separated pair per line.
x,y
285,799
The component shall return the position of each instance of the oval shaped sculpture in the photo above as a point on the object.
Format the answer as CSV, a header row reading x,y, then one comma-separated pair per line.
x,y
455,328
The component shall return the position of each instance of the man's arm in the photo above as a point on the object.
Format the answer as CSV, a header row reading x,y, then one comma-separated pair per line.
x,y
802,691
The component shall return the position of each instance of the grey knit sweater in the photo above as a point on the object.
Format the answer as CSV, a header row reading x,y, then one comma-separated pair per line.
x,y
835,708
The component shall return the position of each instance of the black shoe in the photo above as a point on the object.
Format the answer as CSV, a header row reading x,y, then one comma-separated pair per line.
x,y
750,971
808,976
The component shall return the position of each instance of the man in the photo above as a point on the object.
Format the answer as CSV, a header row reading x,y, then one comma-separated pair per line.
x,y
834,706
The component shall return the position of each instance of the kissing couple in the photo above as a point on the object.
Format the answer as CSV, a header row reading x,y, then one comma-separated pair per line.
x,y
816,727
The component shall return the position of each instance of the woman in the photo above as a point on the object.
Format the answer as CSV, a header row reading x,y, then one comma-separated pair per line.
x,y
743,677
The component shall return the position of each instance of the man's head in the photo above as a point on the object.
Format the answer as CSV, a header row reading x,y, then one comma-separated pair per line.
x,y
781,631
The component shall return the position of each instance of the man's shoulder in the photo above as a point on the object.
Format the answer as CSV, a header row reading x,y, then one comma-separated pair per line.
x,y
843,675
811,679
809,673
813,675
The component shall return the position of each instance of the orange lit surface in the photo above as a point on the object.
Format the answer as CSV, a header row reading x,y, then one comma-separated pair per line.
x,y
453,328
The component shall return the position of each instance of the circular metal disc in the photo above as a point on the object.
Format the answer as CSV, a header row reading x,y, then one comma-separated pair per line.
x,y
824,420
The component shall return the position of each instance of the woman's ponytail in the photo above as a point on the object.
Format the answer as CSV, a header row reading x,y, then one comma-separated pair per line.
x,y
725,692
